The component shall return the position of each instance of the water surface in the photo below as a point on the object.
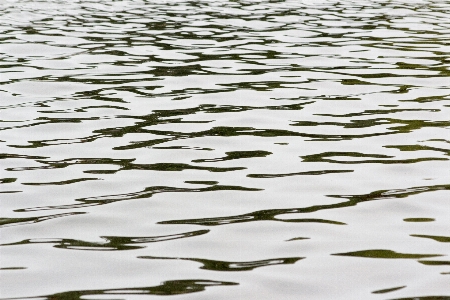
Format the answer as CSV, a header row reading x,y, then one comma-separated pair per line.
x,y
225,149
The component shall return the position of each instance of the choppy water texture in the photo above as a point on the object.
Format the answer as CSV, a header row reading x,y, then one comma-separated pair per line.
x,y
225,149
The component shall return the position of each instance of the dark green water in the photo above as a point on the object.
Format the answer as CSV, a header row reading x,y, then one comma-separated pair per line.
x,y
225,149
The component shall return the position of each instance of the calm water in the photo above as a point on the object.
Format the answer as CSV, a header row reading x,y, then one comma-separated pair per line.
x,y
225,149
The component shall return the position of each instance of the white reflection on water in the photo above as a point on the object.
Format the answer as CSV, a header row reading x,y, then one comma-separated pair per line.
x,y
224,149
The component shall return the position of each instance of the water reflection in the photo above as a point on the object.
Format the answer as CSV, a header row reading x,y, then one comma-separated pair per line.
x,y
425,298
271,214
146,193
139,122
380,253
384,291
111,242
4,222
442,239
217,265
175,287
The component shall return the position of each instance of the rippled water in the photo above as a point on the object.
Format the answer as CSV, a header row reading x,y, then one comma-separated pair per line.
x,y
225,149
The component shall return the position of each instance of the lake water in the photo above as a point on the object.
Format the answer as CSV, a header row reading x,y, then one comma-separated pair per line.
x,y
225,149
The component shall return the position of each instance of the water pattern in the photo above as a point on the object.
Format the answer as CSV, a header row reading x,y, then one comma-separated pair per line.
x,y
225,149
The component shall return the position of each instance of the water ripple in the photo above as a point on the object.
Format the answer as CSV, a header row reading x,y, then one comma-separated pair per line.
x,y
151,118
167,288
